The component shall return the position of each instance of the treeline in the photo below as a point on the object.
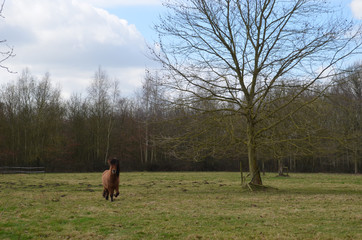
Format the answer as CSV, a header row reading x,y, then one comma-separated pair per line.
x,y
39,128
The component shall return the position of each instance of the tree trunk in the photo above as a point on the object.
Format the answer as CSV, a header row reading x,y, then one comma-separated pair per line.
x,y
146,142
109,129
355,160
280,167
241,173
253,164
355,166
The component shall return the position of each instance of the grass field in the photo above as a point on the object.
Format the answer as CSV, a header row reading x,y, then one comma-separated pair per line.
x,y
192,205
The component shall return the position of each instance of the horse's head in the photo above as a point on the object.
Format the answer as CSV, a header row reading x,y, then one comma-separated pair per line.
x,y
114,166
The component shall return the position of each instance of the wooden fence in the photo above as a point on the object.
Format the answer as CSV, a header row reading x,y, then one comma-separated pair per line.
x,y
27,170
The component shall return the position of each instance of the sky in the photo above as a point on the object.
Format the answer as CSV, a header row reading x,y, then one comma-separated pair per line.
x,y
70,39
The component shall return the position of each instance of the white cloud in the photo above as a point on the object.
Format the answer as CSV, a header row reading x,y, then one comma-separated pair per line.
x,y
70,39
356,7
109,3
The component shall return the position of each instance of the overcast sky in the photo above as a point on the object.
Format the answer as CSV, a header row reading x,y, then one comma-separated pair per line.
x,y
71,38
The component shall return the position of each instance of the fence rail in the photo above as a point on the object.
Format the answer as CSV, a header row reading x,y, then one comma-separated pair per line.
x,y
5,170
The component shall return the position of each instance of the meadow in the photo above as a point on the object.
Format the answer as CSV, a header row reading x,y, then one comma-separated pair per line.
x,y
180,205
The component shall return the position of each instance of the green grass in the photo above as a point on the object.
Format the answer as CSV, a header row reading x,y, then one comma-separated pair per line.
x,y
181,205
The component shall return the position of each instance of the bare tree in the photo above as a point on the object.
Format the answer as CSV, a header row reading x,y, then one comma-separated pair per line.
x,y
103,95
33,119
150,110
346,97
237,52
6,51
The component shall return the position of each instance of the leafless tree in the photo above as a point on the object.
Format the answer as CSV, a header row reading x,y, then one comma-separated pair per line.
x,y
103,95
346,97
236,52
150,113
6,51
33,115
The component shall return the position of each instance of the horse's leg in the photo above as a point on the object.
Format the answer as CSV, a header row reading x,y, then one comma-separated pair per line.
x,y
104,192
111,193
112,196
117,190
107,194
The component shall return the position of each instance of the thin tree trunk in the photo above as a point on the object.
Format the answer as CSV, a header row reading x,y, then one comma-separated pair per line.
x,y
141,152
241,173
146,142
355,160
109,129
280,167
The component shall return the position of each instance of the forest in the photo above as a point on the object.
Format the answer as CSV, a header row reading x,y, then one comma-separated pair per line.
x,y
149,132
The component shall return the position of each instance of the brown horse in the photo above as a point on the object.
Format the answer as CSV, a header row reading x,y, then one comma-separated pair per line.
x,y
110,179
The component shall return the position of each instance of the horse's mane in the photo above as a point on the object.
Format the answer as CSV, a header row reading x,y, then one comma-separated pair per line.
x,y
115,161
